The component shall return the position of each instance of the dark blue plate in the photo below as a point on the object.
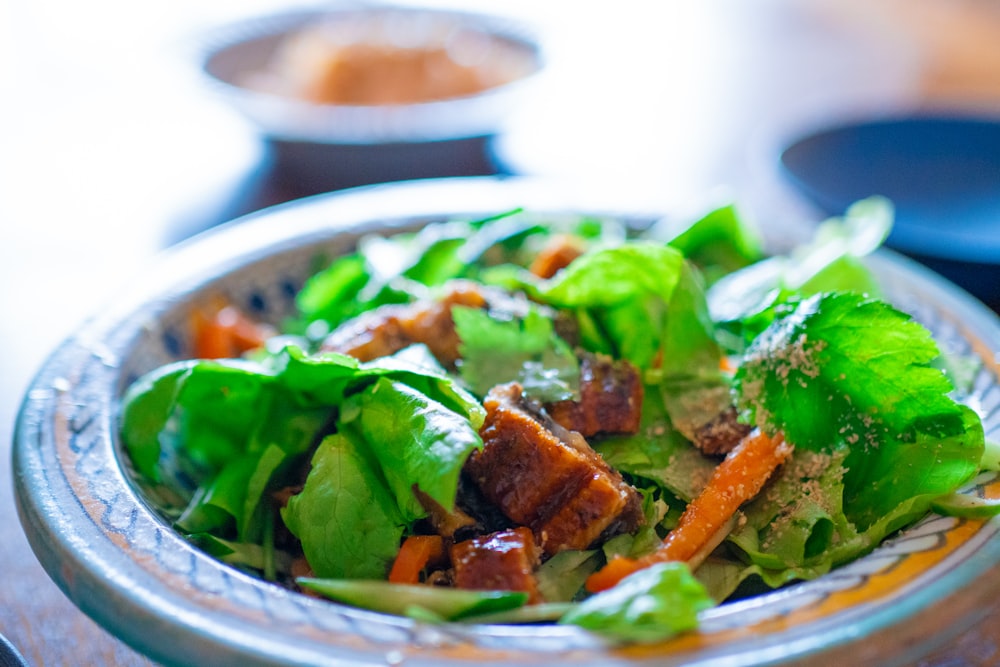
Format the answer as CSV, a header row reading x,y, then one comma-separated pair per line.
x,y
9,657
942,173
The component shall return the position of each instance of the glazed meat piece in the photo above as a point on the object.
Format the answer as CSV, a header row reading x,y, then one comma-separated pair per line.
x,y
721,434
610,398
377,333
502,561
545,477
389,329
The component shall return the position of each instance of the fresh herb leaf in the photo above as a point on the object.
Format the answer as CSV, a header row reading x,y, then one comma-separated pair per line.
x,y
525,349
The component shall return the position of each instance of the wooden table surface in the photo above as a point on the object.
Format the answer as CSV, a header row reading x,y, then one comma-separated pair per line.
x,y
108,152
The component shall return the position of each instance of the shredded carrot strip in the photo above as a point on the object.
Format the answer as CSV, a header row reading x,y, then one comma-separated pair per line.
x,y
414,555
739,478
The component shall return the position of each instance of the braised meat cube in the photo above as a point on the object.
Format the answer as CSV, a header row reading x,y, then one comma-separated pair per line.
x,y
720,435
610,398
502,561
547,478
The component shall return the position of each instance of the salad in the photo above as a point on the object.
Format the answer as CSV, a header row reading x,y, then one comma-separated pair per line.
x,y
528,419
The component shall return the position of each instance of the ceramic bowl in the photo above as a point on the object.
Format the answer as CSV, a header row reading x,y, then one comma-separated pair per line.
x,y
325,145
106,544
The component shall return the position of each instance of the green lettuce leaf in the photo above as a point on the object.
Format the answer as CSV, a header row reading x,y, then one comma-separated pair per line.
x,y
216,436
244,555
326,378
331,295
719,242
418,442
398,269
561,577
658,452
830,261
650,605
346,517
611,276
846,372
798,521
625,300
207,408
146,407
728,578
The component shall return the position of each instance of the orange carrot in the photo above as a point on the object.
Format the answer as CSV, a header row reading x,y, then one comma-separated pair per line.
x,y
736,480
414,555
211,341
223,332
726,365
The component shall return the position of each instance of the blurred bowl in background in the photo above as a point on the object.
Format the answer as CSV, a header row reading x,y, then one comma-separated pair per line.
x,y
942,173
365,94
